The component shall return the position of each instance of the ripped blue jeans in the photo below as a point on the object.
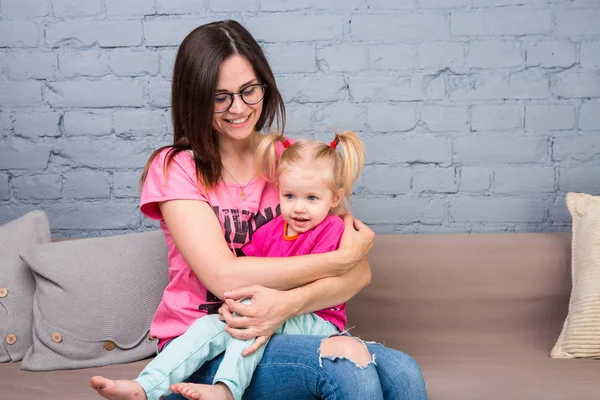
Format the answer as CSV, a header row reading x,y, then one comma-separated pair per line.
x,y
292,368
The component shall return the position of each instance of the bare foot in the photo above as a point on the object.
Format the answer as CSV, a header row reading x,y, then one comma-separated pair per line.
x,y
195,391
117,390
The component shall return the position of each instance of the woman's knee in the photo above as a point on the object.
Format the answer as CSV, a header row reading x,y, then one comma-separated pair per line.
x,y
346,347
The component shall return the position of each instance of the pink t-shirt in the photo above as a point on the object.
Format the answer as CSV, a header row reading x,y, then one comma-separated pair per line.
x,y
271,241
185,298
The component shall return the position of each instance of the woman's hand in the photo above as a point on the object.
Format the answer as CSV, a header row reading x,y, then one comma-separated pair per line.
x,y
356,241
268,311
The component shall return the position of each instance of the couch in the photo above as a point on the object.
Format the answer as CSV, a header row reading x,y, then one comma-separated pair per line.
x,y
479,312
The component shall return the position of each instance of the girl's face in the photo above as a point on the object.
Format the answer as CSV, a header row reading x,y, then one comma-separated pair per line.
x,y
305,198
239,121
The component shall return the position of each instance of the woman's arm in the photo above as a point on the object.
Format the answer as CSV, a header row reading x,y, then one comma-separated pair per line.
x,y
199,237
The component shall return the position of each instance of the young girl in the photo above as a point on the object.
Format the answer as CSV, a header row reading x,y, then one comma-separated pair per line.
x,y
315,183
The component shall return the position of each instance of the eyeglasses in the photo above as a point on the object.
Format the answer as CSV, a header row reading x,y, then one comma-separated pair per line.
x,y
250,95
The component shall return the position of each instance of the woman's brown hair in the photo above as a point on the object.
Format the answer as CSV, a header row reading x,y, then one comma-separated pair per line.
x,y
193,90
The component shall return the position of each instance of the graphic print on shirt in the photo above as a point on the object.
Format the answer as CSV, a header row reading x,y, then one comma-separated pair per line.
x,y
237,229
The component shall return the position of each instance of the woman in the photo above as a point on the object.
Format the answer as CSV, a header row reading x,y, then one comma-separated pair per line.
x,y
204,192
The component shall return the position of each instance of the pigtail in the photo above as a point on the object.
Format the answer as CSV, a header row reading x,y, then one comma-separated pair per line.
x,y
353,160
266,156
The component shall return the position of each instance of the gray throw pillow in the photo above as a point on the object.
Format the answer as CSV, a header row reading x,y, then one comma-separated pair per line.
x,y
16,282
94,300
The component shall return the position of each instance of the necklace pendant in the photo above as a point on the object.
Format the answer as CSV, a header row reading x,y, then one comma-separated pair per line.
x,y
243,195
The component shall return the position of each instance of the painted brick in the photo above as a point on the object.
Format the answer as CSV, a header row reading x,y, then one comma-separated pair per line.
x,y
475,179
76,63
160,31
167,62
24,156
183,6
340,117
285,5
292,57
20,94
433,179
31,65
392,57
589,55
394,148
37,187
575,23
523,180
577,148
497,117
129,7
36,125
94,94
551,54
93,216
19,34
579,179
442,4
491,54
129,123
440,55
392,4
125,184
24,8
313,89
158,93
4,189
559,214
497,209
85,184
589,117
549,117
477,150
498,86
403,210
107,33
299,117
134,63
501,22
76,8
100,153
391,118
294,28
383,179
575,84
402,88
83,123
445,118
503,3
228,5
398,27
342,58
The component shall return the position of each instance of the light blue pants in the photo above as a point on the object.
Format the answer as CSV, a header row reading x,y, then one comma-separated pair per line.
x,y
205,340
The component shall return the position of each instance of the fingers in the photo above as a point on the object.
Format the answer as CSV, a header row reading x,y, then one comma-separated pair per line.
x,y
240,293
237,307
258,342
349,220
241,334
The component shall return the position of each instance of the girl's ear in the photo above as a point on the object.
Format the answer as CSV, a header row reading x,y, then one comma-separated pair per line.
x,y
338,195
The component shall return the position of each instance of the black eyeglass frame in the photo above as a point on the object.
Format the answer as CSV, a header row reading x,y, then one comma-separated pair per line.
x,y
240,93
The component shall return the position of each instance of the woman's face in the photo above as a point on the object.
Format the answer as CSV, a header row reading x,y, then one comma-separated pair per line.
x,y
239,121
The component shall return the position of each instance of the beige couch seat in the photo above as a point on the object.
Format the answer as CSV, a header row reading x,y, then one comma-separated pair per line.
x,y
479,312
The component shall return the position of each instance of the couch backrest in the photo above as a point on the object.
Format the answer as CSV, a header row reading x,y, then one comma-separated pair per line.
x,y
455,284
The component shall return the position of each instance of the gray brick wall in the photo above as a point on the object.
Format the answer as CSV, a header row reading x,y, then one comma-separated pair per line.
x,y
478,115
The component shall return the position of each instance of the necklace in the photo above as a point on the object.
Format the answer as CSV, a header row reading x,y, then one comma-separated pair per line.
x,y
242,187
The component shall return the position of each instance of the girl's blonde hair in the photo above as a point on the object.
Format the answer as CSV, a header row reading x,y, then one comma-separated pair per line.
x,y
345,168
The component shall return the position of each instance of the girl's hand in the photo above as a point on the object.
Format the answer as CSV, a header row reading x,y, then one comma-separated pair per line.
x,y
268,311
356,241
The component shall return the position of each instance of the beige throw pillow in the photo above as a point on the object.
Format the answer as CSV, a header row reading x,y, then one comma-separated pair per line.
x,y
94,300
580,336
